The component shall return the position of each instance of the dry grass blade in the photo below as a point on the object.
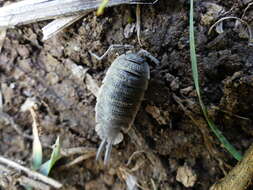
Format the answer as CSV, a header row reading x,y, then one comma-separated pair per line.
x,y
58,25
29,11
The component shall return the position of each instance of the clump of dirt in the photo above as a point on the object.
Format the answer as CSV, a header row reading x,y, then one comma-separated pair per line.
x,y
169,131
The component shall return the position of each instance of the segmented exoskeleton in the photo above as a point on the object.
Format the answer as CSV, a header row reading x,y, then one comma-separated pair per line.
x,y
119,98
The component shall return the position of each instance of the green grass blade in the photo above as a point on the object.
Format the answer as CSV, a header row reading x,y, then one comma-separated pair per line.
x,y
194,65
55,156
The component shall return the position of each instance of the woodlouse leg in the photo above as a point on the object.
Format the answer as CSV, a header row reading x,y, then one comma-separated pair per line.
x,y
111,48
145,53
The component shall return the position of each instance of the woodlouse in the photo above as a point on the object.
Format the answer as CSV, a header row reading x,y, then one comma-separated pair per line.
x,y
119,98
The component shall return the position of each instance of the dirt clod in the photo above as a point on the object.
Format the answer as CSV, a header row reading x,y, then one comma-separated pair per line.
x,y
186,176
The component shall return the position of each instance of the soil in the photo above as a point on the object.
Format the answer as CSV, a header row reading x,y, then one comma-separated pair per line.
x,y
169,125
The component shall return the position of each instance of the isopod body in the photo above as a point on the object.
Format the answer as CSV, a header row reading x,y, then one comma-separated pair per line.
x,y
119,99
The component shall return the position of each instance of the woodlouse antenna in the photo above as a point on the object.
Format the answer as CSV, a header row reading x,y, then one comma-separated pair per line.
x,y
111,48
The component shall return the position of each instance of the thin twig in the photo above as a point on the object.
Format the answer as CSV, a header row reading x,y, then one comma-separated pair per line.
x,y
236,18
133,155
30,173
229,11
245,10
78,160
138,23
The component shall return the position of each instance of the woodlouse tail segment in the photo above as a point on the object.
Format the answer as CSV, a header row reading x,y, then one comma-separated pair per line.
x,y
107,146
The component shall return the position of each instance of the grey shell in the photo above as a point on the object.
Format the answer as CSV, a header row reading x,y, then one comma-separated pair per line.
x,y
119,99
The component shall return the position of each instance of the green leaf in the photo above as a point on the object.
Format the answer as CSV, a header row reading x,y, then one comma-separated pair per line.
x,y
102,6
55,156
194,65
